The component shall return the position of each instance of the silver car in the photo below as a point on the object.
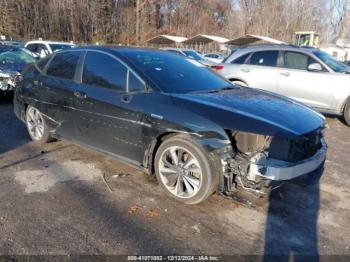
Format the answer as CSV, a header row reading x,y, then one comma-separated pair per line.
x,y
192,54
305,74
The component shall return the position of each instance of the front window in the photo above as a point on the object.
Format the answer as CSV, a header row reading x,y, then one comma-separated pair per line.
x,y
194,55
174,74
57,47
16,56
295,60
335,65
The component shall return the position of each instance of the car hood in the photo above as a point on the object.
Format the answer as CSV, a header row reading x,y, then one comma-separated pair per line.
x,y
12,68
254,111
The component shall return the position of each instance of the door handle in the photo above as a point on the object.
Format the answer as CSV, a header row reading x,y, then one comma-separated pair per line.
x,y
285,74
80,95
126,98
245,70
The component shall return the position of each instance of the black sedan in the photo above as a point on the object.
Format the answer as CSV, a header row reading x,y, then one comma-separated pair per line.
x,y
158,111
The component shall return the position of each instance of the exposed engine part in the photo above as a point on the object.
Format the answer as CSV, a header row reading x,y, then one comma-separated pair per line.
x,y
247,165
8,80
249,143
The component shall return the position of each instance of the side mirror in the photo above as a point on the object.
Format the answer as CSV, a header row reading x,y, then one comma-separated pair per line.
x,y
315,67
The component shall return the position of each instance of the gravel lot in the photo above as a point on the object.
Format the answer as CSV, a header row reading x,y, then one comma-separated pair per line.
x,y
63,199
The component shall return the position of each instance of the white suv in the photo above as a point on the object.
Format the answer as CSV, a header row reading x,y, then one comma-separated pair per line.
x,y
44,48
305,74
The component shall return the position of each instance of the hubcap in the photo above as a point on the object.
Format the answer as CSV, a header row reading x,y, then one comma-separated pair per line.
x,y
35,124
180,172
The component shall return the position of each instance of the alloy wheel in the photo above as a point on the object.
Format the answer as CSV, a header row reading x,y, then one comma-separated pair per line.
x,y
35,123
180,172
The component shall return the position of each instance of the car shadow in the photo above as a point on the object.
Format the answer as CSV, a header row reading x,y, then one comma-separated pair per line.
x,y
291,226
13,132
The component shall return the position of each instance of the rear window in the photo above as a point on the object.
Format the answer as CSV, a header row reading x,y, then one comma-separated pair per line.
x,y
240,60
175,74
63,65
264,58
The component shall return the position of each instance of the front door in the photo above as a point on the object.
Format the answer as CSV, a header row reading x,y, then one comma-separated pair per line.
x,y
311,88
105,109
56,92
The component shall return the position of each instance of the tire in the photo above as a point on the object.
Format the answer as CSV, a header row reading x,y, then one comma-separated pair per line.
x,y
239,83
36,126
347,113
192,179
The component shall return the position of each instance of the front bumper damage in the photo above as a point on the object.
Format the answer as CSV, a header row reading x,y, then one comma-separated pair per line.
x,y
261,172
277,170
8,81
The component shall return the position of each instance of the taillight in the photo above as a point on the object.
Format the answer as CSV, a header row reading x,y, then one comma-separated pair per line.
x,y
219,67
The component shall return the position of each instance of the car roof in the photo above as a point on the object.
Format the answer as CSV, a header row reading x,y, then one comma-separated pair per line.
x,y
274,46
236,52
48,42
178,49
120,49
8,47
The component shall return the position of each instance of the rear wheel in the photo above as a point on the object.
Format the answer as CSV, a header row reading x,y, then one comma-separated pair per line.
x,y
36,125
184,170
347,113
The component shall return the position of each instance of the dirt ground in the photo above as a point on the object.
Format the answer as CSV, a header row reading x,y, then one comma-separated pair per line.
x,y
63,199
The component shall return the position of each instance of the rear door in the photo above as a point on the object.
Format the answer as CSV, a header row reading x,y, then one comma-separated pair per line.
x,y
311,88
107,118
57,91
261,70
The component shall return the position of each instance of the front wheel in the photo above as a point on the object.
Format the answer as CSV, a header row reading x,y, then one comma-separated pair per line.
x,y
184,170
347,113
36,126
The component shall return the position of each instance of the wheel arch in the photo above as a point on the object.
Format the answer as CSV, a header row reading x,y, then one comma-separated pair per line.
x,y
346,101
232,79
209,145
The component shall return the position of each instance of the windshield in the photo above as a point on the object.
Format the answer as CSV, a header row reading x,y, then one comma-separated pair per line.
x,y
16,56
193,54
172,73
332,62
57,47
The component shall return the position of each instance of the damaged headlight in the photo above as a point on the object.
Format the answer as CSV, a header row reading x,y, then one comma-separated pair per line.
x,y
249,143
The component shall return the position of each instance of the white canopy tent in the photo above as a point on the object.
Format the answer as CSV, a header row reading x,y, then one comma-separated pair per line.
x,y
206,42
166,40
250,39
205,39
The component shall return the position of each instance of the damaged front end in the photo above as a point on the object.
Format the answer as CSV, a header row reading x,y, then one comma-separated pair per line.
x,y
254,163
8,81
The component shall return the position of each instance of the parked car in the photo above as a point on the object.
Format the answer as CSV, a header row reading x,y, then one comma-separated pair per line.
x,y
216,58
44,48
159,112
13,43
305,74
192,54
12,61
